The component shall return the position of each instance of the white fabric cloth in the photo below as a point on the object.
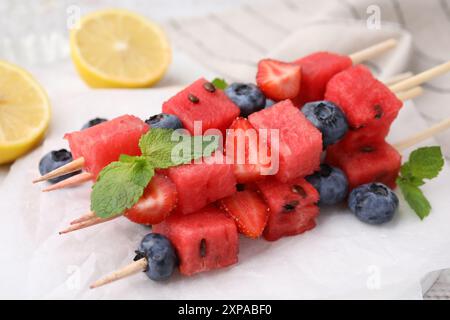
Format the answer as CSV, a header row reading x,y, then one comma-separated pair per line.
x,y
37,263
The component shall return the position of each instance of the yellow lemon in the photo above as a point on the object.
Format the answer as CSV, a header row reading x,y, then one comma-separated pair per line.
x,y
118,49
24,112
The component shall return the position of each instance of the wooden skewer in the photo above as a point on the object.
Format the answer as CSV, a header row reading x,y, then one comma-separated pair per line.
x,y
410,94
85,217
69,182
421,77
397,78
87,223
424,135
135,267
373,51
73,166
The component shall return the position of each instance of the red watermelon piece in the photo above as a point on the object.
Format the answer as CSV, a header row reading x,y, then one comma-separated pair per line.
x,y
292,207
317,69
205,240
201,184
104,143
364,136
300,143
372,163
198,102
365,101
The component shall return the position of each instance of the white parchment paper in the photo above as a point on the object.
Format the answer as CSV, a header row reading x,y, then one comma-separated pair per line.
x,y
340,258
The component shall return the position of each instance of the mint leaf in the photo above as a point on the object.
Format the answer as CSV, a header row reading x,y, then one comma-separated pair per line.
x,y
406,174
126,158
119,186
415,198
165,148
220,84
194,147
156,145
426,163
423,163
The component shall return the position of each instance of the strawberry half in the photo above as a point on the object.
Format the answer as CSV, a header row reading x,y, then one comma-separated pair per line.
x,y
278,80
158,201
247,166
249,211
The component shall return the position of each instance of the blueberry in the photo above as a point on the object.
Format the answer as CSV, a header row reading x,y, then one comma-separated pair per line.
x,y
269,103
164,121
331,183
373,203
93,122
328,118
160,254
53,160
247,97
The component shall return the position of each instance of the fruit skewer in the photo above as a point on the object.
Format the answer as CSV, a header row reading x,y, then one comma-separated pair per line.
x,y
141,264
79,162
95,147
305,79
91,219
86,176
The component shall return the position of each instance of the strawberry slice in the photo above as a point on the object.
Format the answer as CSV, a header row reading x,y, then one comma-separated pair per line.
x,y
249,211
278,80
248,157
158,201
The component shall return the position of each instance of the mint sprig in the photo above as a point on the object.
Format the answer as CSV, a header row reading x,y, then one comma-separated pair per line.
x,y
423,163
219,83
121,184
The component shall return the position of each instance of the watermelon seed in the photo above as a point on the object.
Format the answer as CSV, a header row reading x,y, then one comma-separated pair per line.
x,y
290,206
209,87
367,149
240,187
299,190
193,98
203,248
379,111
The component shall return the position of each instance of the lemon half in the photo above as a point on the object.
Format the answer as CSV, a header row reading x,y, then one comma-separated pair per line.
x,y
119,49
24,112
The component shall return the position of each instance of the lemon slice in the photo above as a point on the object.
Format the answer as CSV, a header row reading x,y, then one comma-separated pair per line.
x,y
119,49
24,112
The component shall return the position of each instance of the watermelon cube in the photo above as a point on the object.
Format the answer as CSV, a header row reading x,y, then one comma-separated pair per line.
x,y
201,184
293,207
362,137
365,101
201,102
104,143
205,240
317,69
300,143
371,163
